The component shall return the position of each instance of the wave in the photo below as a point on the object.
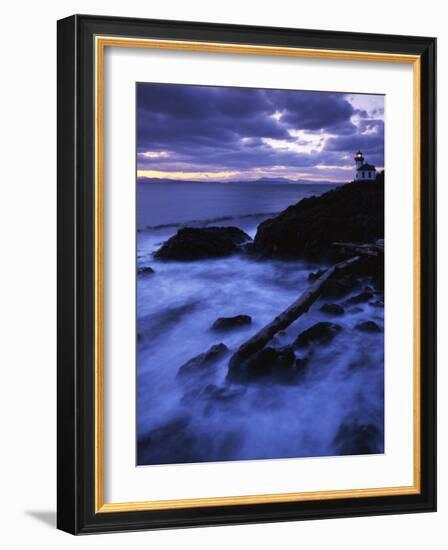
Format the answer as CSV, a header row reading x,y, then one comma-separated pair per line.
x,y
207,221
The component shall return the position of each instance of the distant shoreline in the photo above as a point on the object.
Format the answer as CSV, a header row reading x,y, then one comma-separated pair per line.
x,y
270,181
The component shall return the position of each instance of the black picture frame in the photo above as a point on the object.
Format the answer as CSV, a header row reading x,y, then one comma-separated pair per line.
x,y
76,286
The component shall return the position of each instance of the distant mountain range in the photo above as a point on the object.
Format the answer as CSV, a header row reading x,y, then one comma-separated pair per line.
x,y
143,179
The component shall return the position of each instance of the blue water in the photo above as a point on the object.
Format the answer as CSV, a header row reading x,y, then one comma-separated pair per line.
x,y
176,307
183,203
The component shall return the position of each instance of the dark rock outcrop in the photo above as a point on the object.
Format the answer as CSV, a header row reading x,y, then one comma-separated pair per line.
x,y
351,213
337,287
203,361
229,323
368,326
320,333
196,243
332,309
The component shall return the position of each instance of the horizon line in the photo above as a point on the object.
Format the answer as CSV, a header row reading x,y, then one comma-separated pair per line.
x,y
256,180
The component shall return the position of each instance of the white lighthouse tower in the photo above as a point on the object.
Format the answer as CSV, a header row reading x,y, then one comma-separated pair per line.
x,y
364,171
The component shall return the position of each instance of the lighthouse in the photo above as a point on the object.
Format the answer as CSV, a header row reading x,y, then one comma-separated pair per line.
x,y
364,171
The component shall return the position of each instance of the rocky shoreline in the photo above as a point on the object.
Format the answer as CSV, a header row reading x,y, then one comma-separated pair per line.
x,y
352,213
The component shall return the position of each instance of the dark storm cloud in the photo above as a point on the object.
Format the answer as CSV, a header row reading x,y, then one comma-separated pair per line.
x,y
314,111
210,129
170,115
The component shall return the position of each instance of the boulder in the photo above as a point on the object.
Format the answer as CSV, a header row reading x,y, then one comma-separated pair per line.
x,y
350,213
229,323
368,326
332,309
320,333
196,243
274,365
202,362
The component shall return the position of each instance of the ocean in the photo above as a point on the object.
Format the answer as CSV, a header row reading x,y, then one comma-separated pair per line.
x,y
203,418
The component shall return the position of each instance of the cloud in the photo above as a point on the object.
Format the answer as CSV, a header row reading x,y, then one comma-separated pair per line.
x,y
182,128
314,111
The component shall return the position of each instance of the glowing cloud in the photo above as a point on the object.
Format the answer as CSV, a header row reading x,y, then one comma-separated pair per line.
x,y
305,142
199,176
155,154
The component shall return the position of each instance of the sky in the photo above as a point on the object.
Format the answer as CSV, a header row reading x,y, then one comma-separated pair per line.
x,y
210,133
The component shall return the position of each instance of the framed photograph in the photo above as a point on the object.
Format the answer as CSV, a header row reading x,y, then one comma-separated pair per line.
x,y
246,271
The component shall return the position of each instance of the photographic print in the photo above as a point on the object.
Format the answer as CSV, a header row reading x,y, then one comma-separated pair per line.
x,y
260,273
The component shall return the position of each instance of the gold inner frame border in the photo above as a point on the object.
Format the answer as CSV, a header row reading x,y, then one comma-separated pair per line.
x,y
101,42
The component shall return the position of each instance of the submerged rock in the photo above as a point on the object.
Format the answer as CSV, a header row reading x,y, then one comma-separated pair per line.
x,y
180,441
368,326
229,323
145,270
350,213
166,319
222,393
196,243
203,361
213,393
360,298
301,364
320,333
173,440
357,439
275,365
332,309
